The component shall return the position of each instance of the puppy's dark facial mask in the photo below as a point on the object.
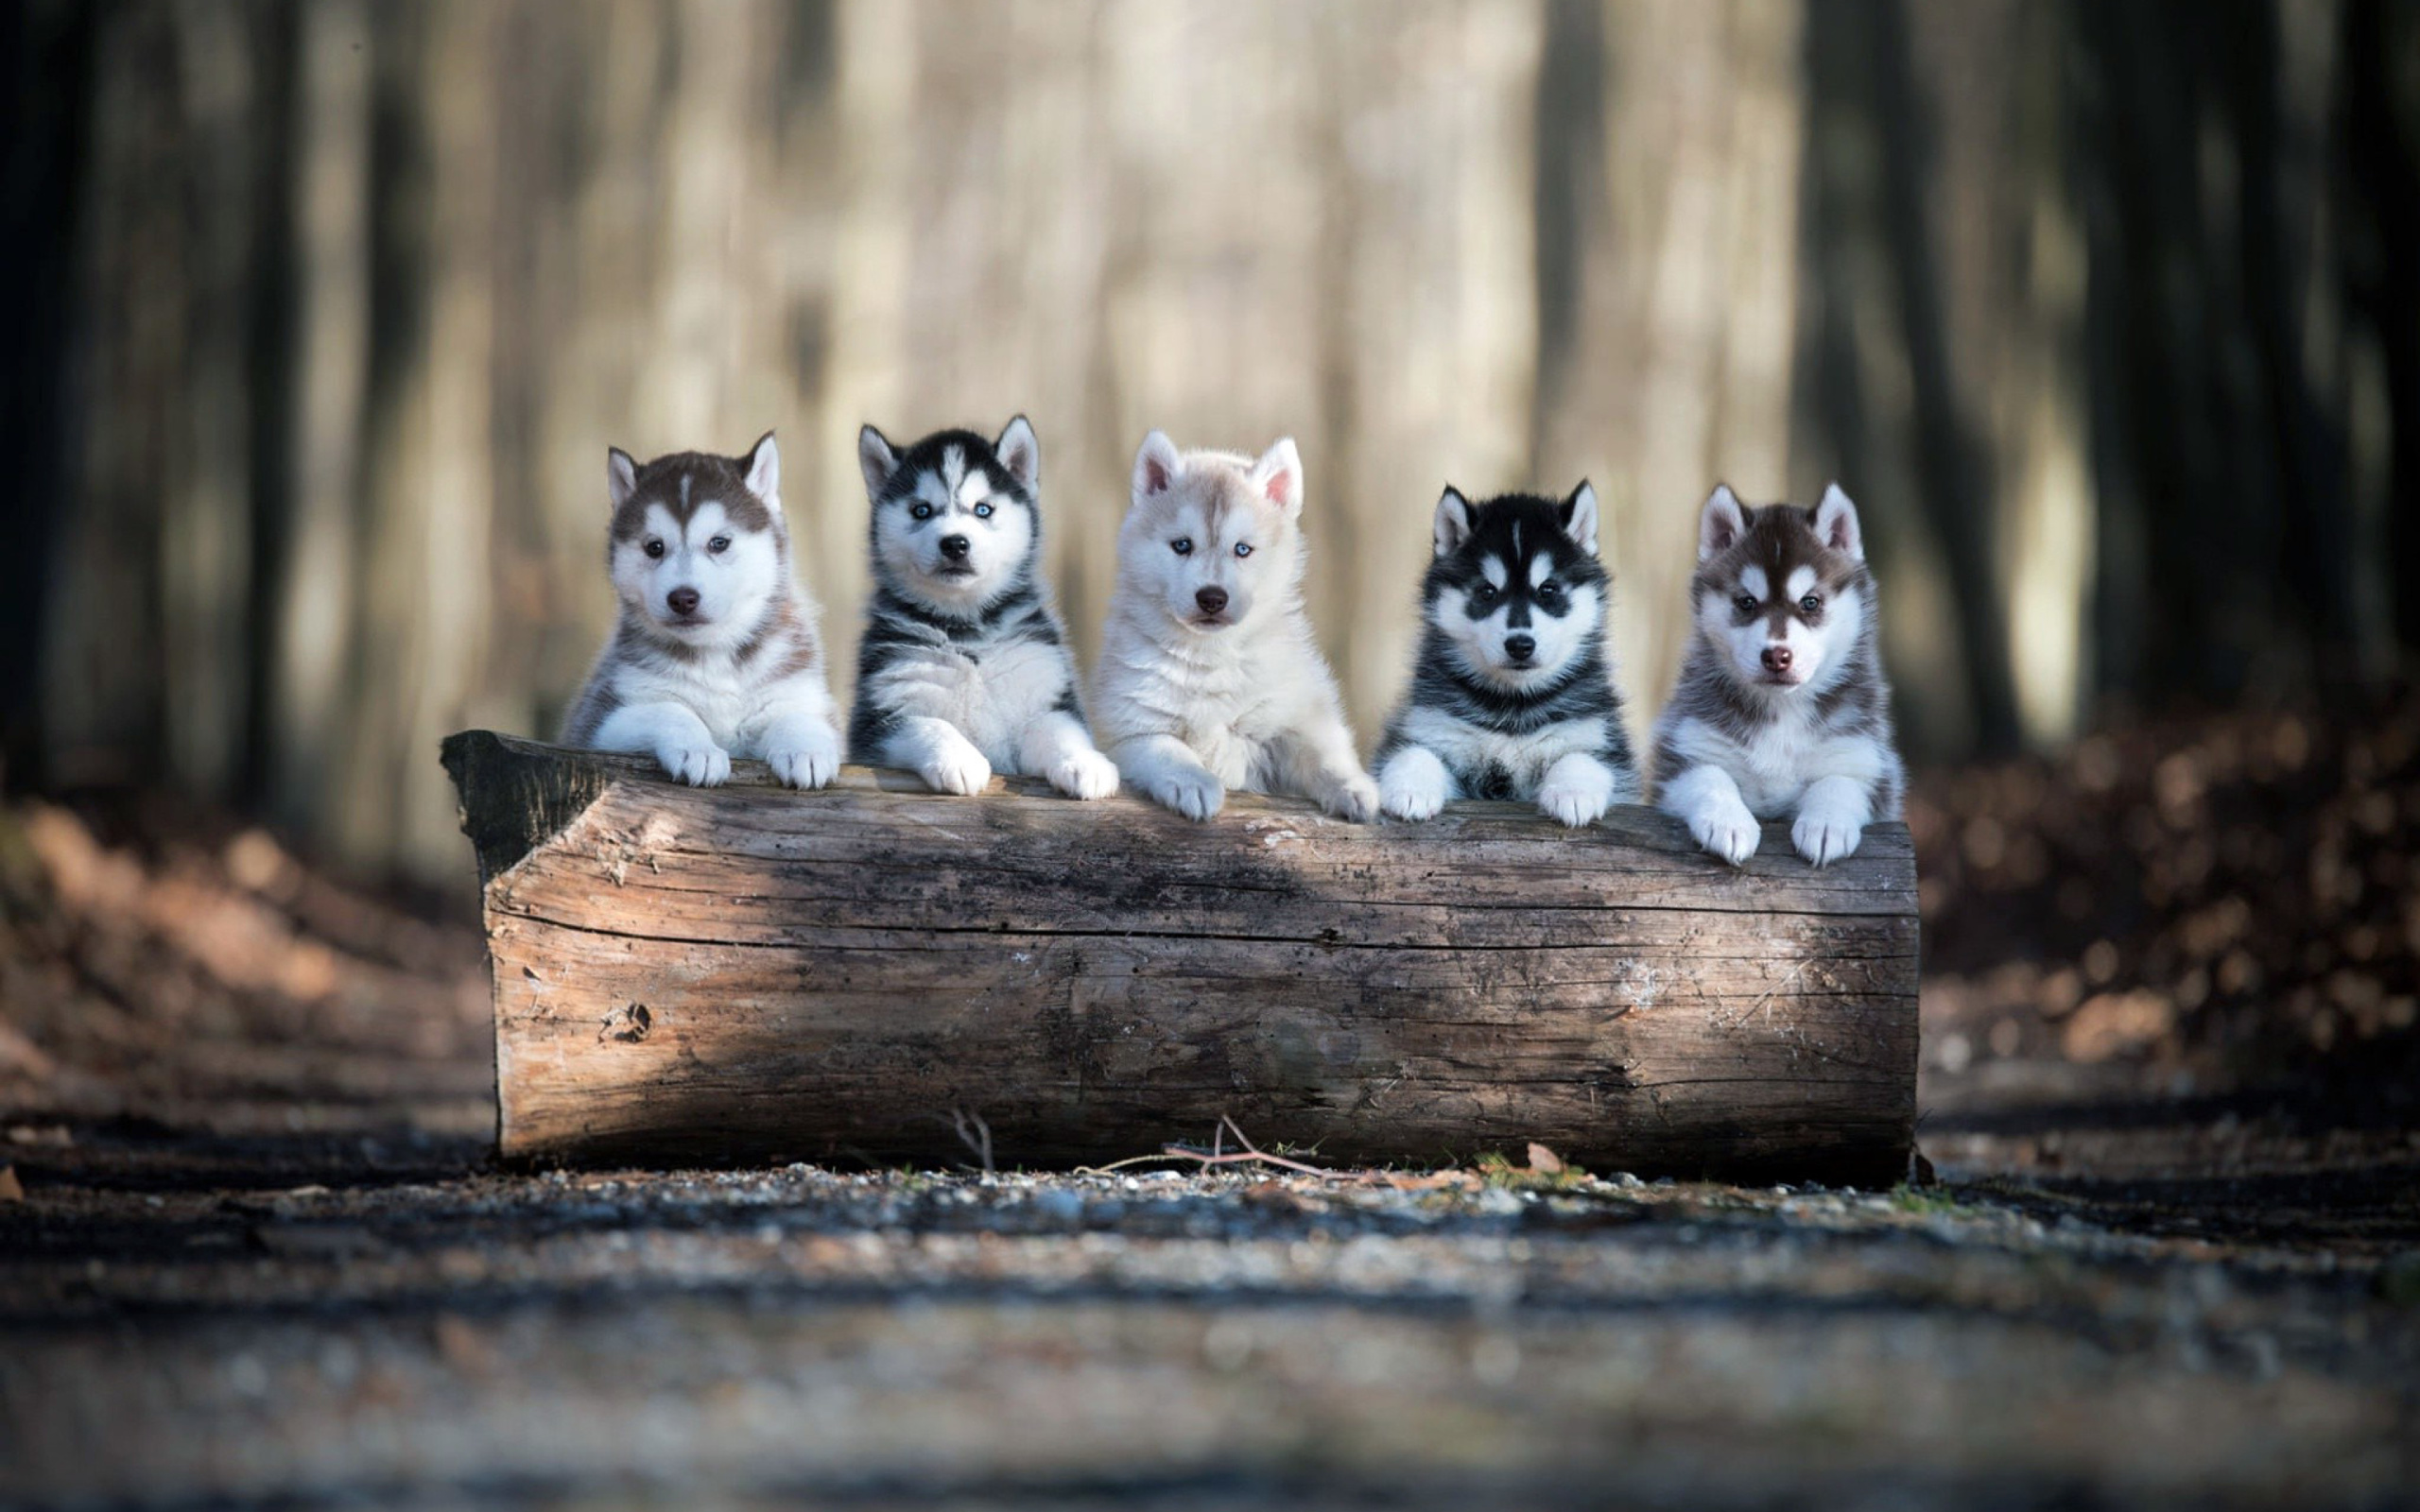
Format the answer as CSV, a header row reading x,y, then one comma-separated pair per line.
x,y
1516,587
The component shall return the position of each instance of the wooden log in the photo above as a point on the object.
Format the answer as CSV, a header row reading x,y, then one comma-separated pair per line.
x,y
751,972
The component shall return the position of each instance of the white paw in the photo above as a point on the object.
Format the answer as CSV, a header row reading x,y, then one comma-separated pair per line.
x,y
1355,799
1414,785
1727,829
705,764
957,769
1575,804
1195,795
811,765
1084,774
1824,836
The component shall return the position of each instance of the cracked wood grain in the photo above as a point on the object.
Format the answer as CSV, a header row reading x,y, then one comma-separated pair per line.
x,y
686,976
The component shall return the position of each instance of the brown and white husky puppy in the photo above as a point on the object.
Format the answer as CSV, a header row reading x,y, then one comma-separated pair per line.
x,y
1782,709
715,654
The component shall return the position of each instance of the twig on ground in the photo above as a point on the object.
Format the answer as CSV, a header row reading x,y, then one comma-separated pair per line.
x,y
1219,1154
975,1134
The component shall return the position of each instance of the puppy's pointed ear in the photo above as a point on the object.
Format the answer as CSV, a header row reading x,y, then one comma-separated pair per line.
x,y
1836,523
1579,517
875,459
1453,524
1020,452
1722,523
1155,465
621,476
762,466
1278,476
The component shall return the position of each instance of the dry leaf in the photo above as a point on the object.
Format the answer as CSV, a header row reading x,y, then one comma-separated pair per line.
x,y
12,1190
1434,1181
1543,1160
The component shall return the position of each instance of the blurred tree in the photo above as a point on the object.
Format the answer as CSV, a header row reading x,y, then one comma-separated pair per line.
x,y
47,101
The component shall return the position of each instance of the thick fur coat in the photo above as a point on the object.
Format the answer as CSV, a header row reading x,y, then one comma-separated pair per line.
x,y
1209,677
716,652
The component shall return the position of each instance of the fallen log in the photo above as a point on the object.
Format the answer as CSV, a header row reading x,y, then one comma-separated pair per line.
x,y
868,972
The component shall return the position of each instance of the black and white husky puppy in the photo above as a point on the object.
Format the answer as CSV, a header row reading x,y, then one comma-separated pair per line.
x,y
715,654
964,668
1512,692
1782,708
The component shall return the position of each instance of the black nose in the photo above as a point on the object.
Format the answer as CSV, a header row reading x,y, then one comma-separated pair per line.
x,y
1776,659
954,547
1210,599
683,600
1520,647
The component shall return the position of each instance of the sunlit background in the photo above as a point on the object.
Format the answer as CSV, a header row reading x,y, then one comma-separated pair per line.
x,y
2104,312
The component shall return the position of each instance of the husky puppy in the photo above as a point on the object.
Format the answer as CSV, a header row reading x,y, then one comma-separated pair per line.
x,y
1512,692
964,667
715,654
1209,677
1782,708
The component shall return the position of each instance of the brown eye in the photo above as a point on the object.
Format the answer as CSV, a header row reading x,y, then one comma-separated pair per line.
x,y
1745,602
654,547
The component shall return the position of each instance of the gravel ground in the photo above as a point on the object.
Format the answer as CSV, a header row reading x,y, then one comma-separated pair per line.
x,y
1177,1340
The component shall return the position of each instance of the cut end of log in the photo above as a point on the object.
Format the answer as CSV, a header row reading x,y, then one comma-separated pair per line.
x,y
717,975
517,795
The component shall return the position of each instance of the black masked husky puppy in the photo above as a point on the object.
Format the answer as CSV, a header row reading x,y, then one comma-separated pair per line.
x,y
1512,694
1782,709
964,668
715,654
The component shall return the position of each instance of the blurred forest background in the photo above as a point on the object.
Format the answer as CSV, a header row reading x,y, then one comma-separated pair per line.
x,y
317,318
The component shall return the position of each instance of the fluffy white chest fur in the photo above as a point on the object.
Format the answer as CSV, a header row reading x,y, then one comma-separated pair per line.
x,y
1524,758
1780,759
990,690
729,706
1229,699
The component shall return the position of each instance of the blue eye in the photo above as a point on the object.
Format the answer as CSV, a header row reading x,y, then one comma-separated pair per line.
x,y
1243,548
1181,545
982,511
920,511
1811,604
719,546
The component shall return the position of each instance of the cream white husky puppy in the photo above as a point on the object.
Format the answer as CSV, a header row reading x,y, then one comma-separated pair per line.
x,y
715,654
1209,677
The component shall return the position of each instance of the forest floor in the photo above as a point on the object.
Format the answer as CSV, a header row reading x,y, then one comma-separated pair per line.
x,y
252,1251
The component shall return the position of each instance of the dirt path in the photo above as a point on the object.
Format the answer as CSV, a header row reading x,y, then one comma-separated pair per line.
x,y
312,1321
